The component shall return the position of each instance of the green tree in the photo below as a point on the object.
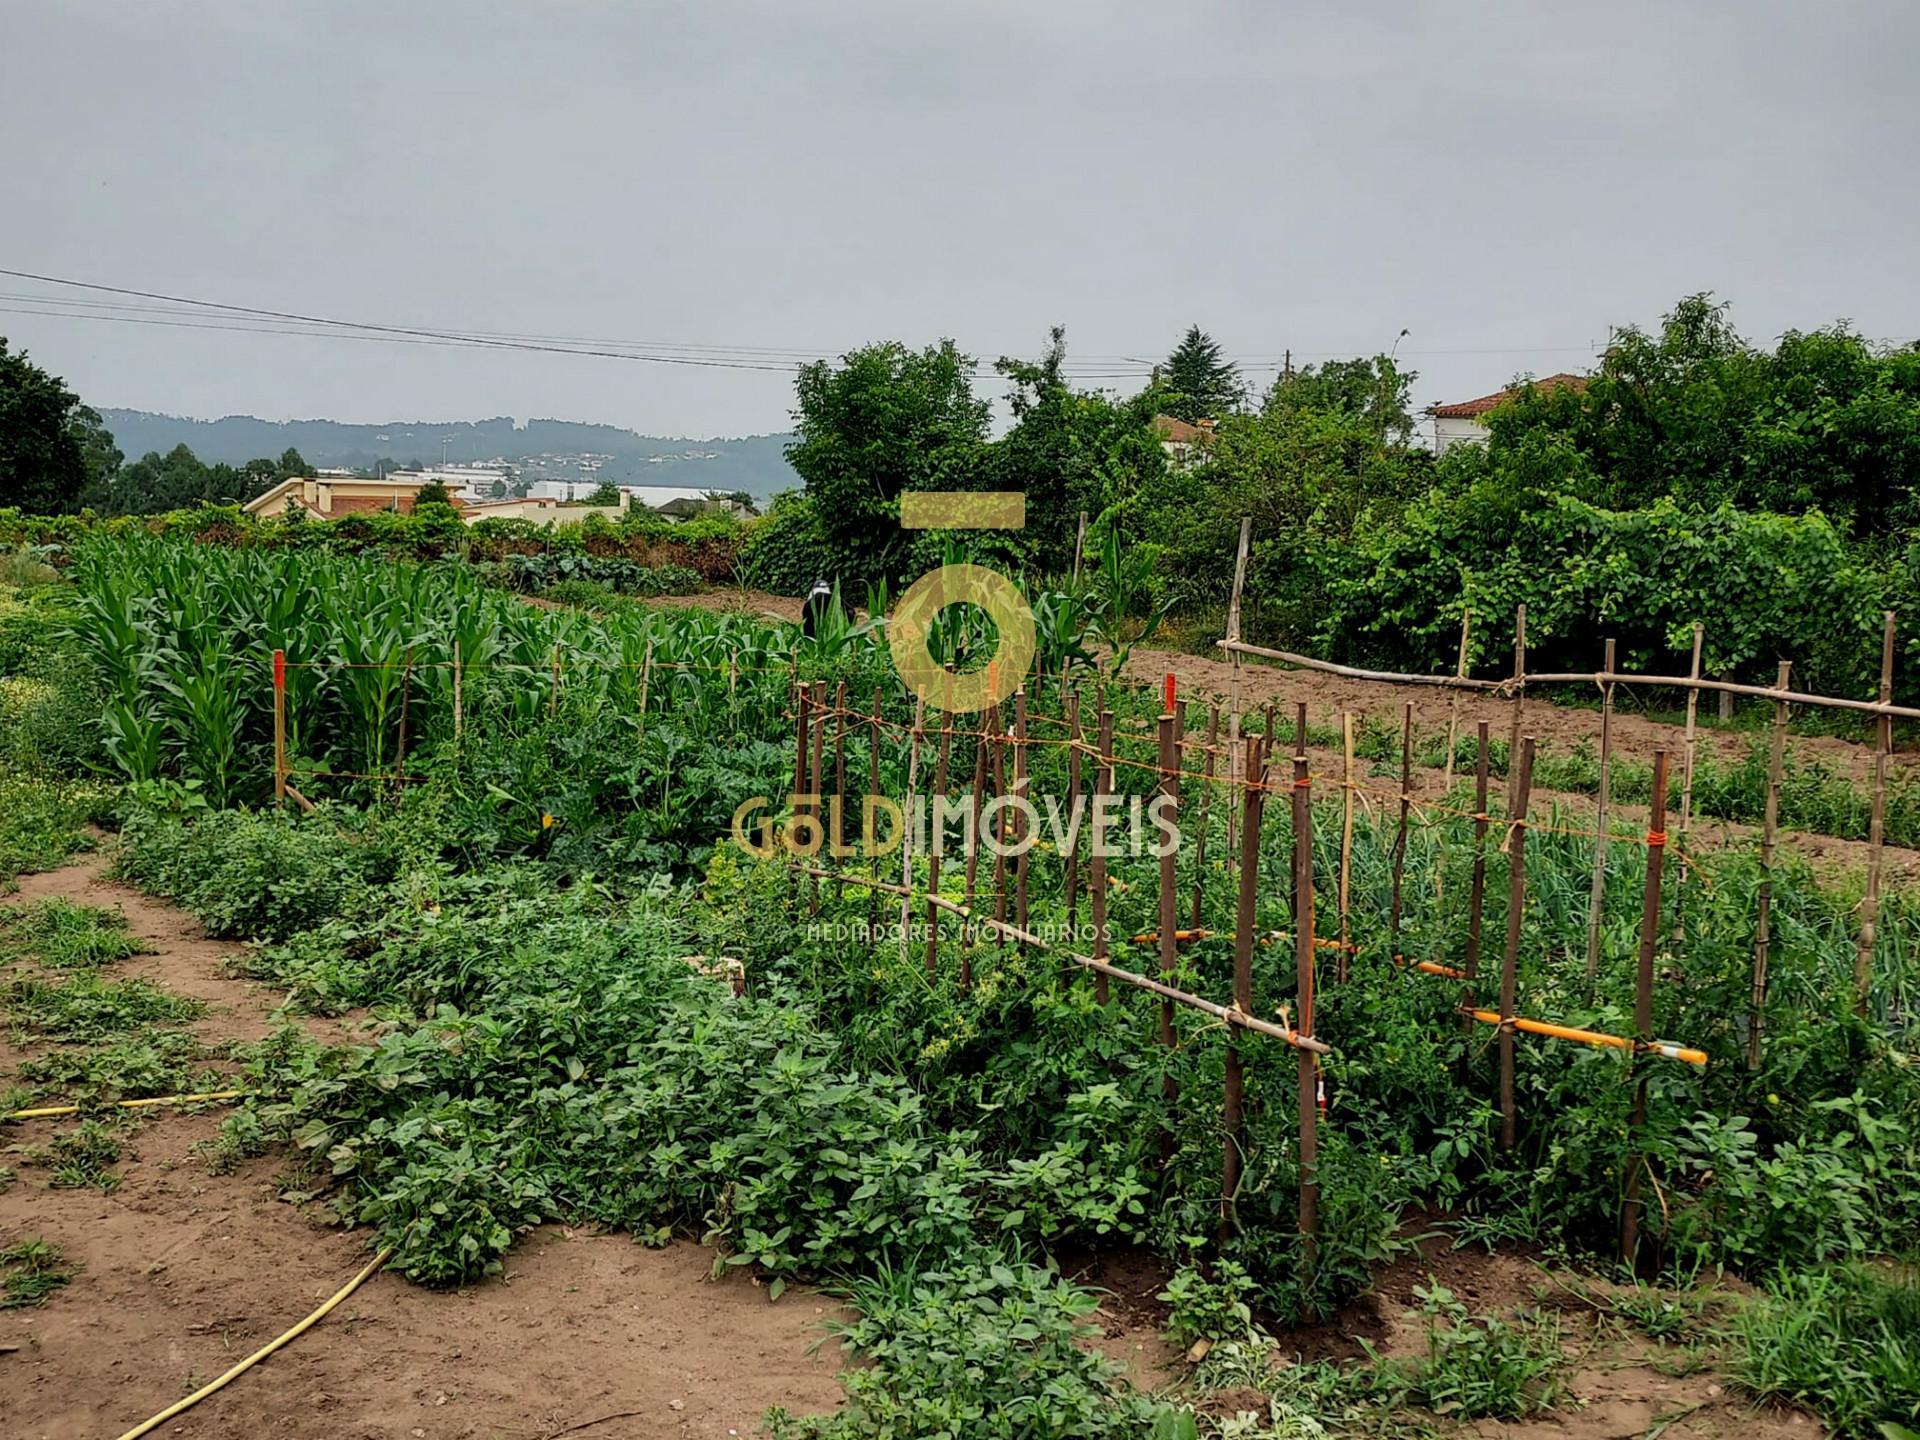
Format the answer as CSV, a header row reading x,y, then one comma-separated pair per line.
x,y
605,493
47,439
1204,384
432,493
1375,391
884,420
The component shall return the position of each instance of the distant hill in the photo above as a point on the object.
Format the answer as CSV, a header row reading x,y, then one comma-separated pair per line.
x,y
753,463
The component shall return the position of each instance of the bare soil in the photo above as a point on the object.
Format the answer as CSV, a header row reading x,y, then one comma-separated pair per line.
x,y
182,1272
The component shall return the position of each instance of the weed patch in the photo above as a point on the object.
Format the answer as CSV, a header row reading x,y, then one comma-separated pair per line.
x,y
30,1272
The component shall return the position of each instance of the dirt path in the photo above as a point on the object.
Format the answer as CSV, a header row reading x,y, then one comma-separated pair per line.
x,y
183,1272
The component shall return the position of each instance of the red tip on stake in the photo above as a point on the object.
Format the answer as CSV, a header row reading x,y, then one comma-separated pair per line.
x,y
1168,707
279,669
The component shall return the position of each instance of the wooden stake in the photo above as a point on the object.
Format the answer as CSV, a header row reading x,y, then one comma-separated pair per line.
x,y
936,843
553,692
458,716
1876,827
873,788
1303,979
1079,546
906,841
1169,898
1206,803
1763,909
1020,816
406,696
1340,964
839,837
1239,578
1002,827
1643,1009
1597,891
816,772
646,679
1074,740
1519,703
1476,896
1516,910
1686,784
1446,777
279,727
1097,881
1400,834
1243,927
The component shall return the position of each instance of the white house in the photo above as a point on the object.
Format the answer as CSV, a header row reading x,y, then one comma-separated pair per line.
x,y
1467,419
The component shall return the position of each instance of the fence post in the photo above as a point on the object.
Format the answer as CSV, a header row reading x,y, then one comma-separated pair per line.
x,y
1516,910
873,789
279,727
1643,1008
553,688
839,840
1597,891
1519,702
1244,918
1303,979
458,712
646,681
1876,827
968,930
1476,902
1686,783
1763,910
1097,880
1400,833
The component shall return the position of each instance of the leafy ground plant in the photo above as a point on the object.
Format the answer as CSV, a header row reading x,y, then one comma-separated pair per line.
x,y
1479,1366
30,1271
1842,1339
66,936
80,1159
85,1007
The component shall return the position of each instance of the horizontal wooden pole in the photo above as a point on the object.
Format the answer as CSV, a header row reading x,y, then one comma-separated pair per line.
x,y
1352,672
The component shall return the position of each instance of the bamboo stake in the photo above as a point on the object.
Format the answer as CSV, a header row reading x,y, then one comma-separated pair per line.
x,y
1169,906
646,680
1097,883
1516,910
406,697
1597,891
279,727
914,737
1519,702
816,772
873,789
1686,784
936,843
1340,963
1476,893
1020,816
967,932
839,840
1079,546
1876,827
1446,777
1243,926
1206,804
458,714
1001,824
1234,757
1400,833
1074,740
1643,1008
1763,910
1303,979
553,690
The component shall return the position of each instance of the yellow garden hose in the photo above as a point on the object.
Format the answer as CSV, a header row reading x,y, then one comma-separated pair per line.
x,y
43,1112
147,1427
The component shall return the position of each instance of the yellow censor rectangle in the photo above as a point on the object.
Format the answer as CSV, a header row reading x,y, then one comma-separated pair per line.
x,y
963,510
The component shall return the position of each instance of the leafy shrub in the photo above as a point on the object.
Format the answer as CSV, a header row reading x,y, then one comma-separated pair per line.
x,y
247,875
786,549
31,1270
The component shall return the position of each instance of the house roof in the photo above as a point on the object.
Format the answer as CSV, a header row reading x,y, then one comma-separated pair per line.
x,y
273,501
1175,431
1473,409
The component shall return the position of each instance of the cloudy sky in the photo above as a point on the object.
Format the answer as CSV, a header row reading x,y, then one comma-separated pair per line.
x,y
746,183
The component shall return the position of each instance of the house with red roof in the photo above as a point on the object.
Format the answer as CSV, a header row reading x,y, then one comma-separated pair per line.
x,y
1467,419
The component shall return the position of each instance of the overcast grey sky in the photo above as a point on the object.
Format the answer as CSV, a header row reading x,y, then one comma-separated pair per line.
x,y
1504,181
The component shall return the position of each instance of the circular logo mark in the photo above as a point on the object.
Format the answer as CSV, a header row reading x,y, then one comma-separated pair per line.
x,y
913,618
